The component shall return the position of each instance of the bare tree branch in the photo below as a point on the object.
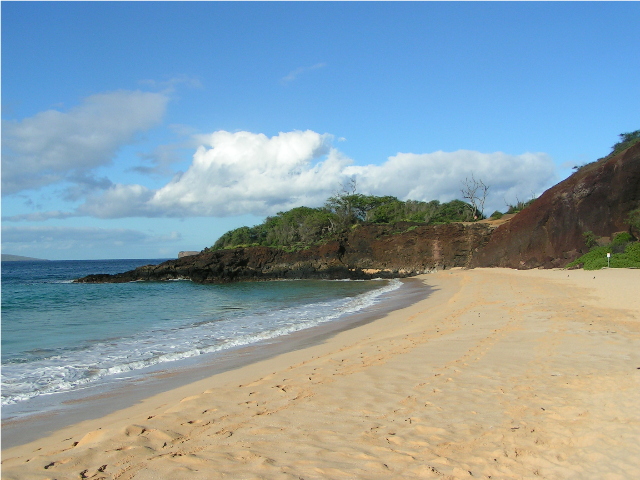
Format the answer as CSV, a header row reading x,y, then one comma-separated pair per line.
x,y
475,192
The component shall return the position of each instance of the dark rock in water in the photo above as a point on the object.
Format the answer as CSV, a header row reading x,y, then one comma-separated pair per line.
x,y
549,233
369,251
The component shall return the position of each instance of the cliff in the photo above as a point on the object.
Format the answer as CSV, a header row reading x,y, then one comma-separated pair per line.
x,y
369,251
549,233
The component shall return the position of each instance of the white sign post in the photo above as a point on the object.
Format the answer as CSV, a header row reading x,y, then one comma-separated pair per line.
x,y
608,259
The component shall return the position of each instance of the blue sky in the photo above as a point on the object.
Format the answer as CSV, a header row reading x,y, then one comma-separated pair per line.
x,y
136,130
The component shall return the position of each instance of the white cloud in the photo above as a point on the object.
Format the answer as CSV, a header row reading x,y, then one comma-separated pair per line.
x,y
52,145
119,201
247,173
235,174
439,176
294,74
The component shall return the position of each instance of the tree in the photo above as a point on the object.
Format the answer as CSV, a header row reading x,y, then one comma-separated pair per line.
x,y
341,205
475,192
302,227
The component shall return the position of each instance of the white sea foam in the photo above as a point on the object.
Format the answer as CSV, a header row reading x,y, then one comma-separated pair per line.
x,y
76,368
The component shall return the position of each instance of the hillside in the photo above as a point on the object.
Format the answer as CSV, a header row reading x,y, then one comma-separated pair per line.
x,y
304,227
550,232
6,257
597,199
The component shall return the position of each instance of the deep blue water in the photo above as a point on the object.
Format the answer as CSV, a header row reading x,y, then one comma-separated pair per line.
x,y
59,336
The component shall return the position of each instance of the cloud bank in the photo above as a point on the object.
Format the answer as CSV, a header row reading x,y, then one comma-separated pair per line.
x,y
52,146
247,173
235,174
439,175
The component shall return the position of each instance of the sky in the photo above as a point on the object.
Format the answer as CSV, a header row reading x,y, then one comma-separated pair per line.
x,y
141,129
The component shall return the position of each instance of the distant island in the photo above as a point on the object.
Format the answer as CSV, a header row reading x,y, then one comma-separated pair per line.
x,y
6,257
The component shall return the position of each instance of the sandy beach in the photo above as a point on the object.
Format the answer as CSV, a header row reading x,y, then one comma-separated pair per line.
x,y
497,374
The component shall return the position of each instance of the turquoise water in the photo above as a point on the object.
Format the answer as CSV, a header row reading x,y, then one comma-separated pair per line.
x,y
58,336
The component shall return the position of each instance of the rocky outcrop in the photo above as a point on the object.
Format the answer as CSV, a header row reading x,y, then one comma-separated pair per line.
x,y
549,233
187,253
369,251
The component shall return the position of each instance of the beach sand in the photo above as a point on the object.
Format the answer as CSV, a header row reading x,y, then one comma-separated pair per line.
x,y
497,374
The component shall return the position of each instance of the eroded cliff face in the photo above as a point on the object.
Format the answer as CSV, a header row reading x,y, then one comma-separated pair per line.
x,y
369,251
549,233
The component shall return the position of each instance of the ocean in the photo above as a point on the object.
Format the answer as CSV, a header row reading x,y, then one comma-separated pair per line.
x,y
58,336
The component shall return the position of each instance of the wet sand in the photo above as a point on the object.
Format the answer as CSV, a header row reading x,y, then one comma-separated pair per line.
x,y
496,374
47,413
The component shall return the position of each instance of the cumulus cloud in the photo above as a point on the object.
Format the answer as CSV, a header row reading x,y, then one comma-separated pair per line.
x,y
234,174
247,173
439,175
52,145
19,238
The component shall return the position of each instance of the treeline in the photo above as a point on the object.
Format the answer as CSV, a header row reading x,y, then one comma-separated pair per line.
x,y
303,226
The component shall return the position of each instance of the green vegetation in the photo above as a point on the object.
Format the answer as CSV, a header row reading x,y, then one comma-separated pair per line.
x,y
590,239
303,227
300,227
497,215
622,239
625,253
634,219
626,140
519,206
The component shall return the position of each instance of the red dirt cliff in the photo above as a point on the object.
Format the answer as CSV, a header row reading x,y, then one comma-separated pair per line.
x,y
549,233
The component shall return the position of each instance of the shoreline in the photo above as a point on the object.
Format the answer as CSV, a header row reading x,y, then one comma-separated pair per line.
x,y
94,401
497,373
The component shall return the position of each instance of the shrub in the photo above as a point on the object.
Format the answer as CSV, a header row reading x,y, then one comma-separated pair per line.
x,y
519,206
496,215
622,238
302,227
597,258
629,259
590,239
632,252
634,219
